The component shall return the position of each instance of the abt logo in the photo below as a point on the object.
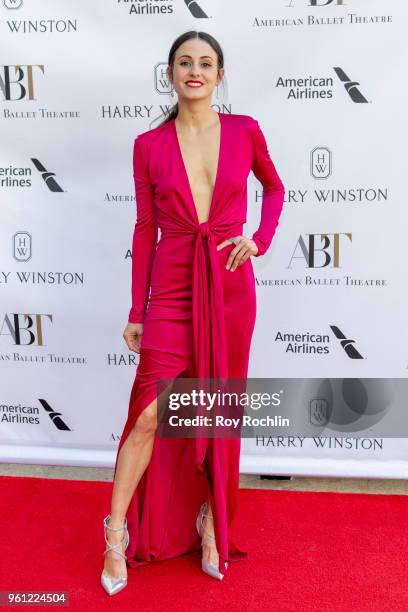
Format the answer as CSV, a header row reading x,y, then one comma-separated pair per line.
x,y
328,245
24,329
18,81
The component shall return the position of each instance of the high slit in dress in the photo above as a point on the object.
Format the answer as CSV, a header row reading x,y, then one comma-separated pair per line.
x,y
198,320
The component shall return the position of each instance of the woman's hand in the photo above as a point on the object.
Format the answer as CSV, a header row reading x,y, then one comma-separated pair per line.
x,y
133,336
244,248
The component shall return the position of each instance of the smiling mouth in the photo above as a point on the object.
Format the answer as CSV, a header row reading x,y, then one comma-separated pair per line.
x,y
194,84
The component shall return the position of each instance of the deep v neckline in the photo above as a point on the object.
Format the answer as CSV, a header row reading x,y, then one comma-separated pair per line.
x,y
187,180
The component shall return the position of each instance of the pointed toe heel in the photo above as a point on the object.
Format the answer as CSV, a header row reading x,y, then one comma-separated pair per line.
x,y
209,568
112,584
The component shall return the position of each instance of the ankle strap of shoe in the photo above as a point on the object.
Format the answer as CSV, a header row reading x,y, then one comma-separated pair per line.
x,y
107,519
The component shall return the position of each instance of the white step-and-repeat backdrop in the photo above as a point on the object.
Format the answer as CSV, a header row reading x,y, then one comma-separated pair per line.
x,y
79,80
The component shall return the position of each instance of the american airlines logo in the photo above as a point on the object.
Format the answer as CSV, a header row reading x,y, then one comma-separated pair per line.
x,y
293,3
312,87
346,343
47,176
195,9
17,177
350,86
315,343
164,7
54,416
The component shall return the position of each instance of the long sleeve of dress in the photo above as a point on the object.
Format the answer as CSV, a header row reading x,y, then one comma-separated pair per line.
x,y
273,191
144,235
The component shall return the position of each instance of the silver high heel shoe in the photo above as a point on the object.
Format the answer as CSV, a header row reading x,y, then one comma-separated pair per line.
x,y
111,584
209,568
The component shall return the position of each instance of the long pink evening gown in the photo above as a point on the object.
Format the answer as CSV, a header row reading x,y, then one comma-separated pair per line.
x,y
198,322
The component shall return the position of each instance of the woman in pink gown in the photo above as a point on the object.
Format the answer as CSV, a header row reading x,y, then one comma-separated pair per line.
x,y
198,316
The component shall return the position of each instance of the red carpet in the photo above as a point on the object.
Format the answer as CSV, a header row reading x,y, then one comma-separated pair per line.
x,y
307,552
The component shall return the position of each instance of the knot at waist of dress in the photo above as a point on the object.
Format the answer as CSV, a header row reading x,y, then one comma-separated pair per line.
x,y
203,230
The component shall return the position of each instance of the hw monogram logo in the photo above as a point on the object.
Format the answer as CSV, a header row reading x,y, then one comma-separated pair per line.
x,y
161,82
12,4
319,411
22,246
326,244
320,162
28,326
21,78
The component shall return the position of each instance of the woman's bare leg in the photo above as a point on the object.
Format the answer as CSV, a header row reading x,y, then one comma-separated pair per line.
x,y
133,459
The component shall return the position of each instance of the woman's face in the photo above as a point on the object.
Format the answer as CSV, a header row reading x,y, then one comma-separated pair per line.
x,y
195,70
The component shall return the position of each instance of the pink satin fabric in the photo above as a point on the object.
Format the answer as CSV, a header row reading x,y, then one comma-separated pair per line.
x,y
198,321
